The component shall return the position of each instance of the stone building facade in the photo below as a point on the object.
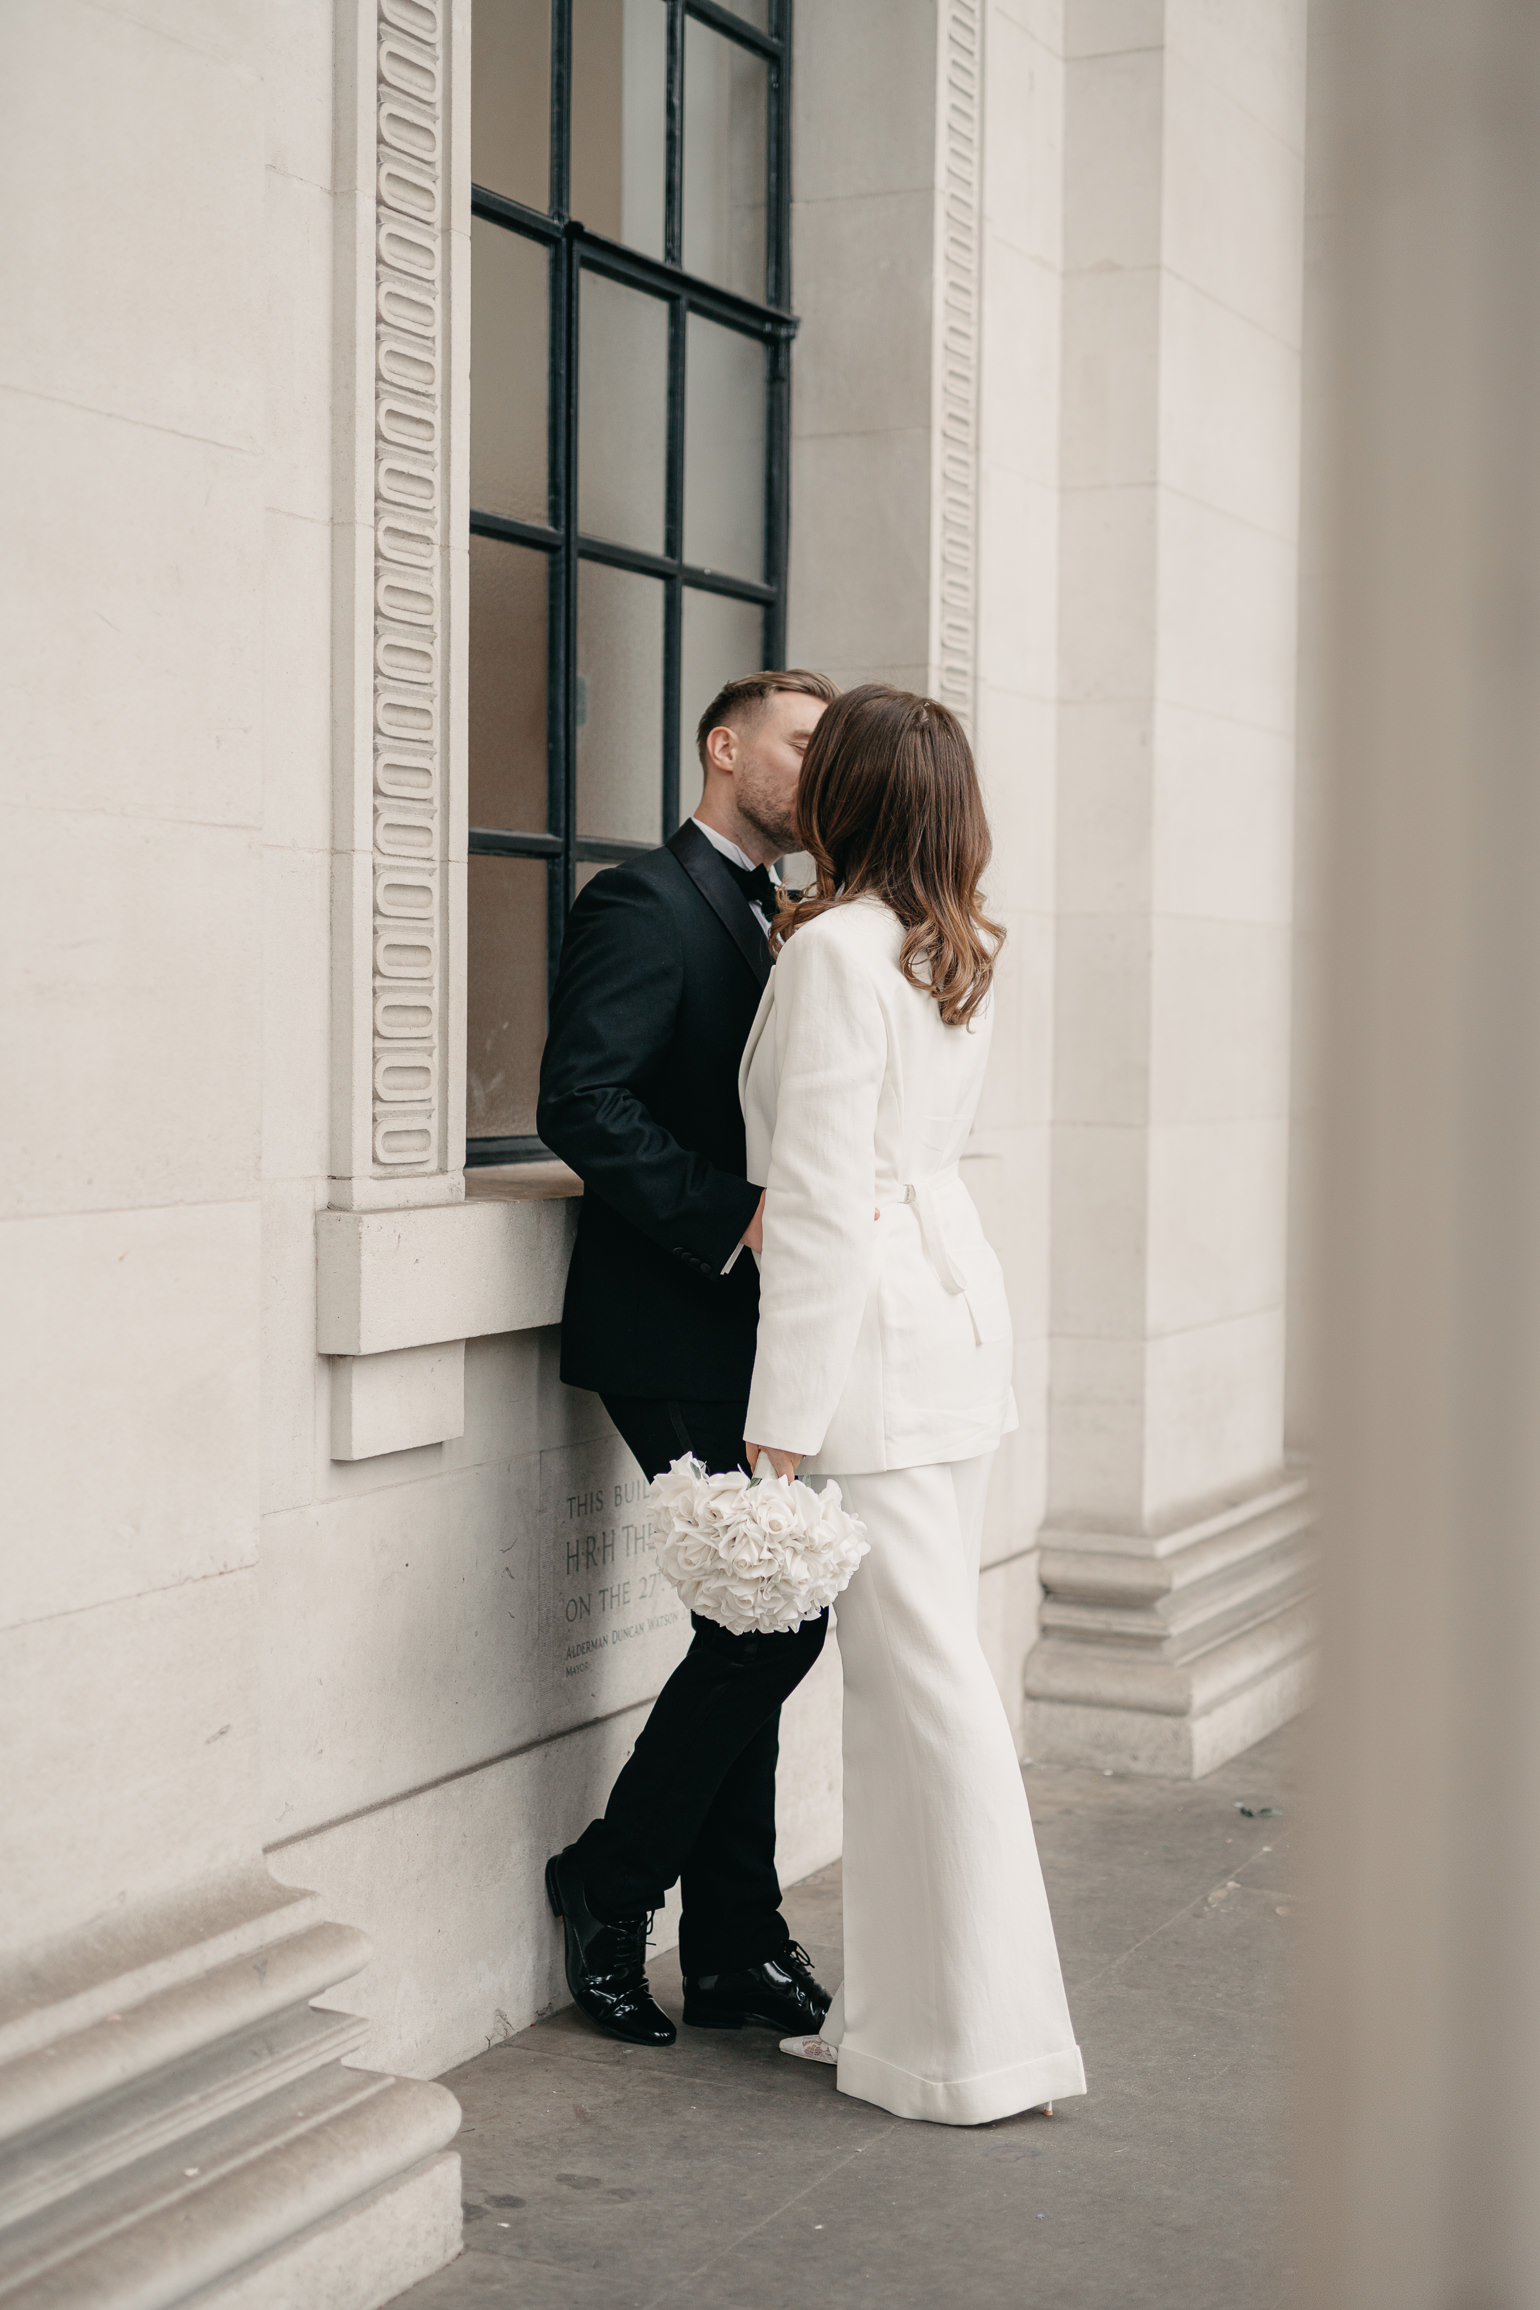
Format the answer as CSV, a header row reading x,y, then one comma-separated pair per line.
x,y
327,1611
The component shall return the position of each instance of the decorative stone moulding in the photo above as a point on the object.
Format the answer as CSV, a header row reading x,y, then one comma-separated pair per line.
x,y
1168,1653
955,582
178,2123
410,493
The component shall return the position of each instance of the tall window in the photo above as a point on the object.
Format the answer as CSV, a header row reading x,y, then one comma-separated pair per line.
x,y
629,372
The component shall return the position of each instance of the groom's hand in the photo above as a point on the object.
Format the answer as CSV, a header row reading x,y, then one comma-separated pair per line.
x,y
754,1233
784,1463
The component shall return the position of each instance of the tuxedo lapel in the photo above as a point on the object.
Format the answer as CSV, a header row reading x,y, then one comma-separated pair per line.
x,y
708,872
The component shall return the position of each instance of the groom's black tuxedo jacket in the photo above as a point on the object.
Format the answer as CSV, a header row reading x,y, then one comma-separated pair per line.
x,y
661,973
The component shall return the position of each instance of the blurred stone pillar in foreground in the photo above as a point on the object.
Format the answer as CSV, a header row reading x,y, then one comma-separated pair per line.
x,y
1173,1548
1421,2064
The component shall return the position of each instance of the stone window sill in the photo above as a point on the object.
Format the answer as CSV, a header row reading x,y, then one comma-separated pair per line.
x,y
398,1294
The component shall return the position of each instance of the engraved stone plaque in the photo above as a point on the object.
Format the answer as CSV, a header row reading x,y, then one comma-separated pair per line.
x,y
611,1629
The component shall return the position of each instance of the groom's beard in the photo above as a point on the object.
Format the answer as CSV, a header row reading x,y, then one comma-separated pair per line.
x,y
776,826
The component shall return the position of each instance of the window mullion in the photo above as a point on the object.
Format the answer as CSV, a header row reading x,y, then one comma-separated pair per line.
x,y
673,546
778,162
564,393
561,108
673,178
777,493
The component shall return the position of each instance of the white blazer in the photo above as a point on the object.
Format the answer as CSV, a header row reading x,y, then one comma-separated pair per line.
x,y
884,1331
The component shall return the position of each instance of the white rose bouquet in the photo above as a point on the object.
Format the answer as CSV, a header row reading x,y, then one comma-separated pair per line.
x,y
760,1555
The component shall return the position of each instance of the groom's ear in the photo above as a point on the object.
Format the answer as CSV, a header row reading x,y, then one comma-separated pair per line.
x,y
723,747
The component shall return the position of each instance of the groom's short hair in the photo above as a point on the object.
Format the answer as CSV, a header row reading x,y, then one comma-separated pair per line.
x,y
740,703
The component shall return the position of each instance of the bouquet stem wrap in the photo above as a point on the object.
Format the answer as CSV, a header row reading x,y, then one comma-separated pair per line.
x,y
757,1555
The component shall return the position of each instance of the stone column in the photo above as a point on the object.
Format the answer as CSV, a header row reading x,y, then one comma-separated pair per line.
x,y
1173,1564
1421,2069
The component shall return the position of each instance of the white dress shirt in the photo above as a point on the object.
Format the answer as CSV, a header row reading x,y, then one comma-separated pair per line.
x,y
738,857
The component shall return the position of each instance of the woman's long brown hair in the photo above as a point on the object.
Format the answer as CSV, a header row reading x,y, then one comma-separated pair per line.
x,y
888,806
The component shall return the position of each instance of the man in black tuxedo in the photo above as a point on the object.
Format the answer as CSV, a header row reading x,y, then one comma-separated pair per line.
x,y
661,972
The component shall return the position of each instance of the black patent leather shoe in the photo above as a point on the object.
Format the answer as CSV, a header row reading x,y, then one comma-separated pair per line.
x,y
606,1964
779,1994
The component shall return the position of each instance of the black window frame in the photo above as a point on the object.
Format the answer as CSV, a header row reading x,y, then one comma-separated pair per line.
x,y
573,248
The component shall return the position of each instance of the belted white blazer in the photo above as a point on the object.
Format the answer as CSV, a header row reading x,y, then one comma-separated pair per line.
x,y
884,1329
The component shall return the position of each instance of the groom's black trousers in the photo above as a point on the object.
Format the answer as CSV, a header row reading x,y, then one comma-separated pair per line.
x,y
695,1801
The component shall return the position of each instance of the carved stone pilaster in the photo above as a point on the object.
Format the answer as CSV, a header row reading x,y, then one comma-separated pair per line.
x,y
398,537
409,512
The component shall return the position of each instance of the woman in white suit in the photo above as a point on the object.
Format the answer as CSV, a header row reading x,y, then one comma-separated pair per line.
x,y
884,1359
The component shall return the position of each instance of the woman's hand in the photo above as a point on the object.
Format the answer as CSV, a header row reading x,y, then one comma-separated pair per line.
x,y
784,1463
754,1233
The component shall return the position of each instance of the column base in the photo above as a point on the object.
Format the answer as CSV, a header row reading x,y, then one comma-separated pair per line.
x,y
178,2125
1169,1653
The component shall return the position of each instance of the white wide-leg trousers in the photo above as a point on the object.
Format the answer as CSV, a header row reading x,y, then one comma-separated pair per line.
x,y
952,2006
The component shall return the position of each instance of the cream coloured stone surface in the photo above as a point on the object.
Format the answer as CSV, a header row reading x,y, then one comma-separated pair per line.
x,y
152,112
1103,27
1024,163
131,1726
296,1022
297,464
142,700
1215,1409
503,1606
857,256
296,683
1249,377
860,552
1221,848
137,1032
1240,581
290,1375
140,1474
395,1401
367,2253
1214,1243
1113,157
1233,191
844,146
1016,624
297,76
402,1279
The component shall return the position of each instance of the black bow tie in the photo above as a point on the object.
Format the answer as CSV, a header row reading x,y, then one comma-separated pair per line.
x,y
755,884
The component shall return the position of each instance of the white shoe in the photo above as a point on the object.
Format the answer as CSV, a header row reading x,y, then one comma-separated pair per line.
x,y
809,2049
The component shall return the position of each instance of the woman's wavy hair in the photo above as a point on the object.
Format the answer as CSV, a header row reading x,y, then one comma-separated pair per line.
x,y
888,806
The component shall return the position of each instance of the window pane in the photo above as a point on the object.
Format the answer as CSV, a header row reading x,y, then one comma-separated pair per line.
x,y
622,413
619,111
724,450
507,686
726,92
722,639
755,12
509,327
506,990
620,705
511,99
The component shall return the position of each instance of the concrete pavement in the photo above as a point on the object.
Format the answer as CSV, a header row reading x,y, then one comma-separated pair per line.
x,y
721,2176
